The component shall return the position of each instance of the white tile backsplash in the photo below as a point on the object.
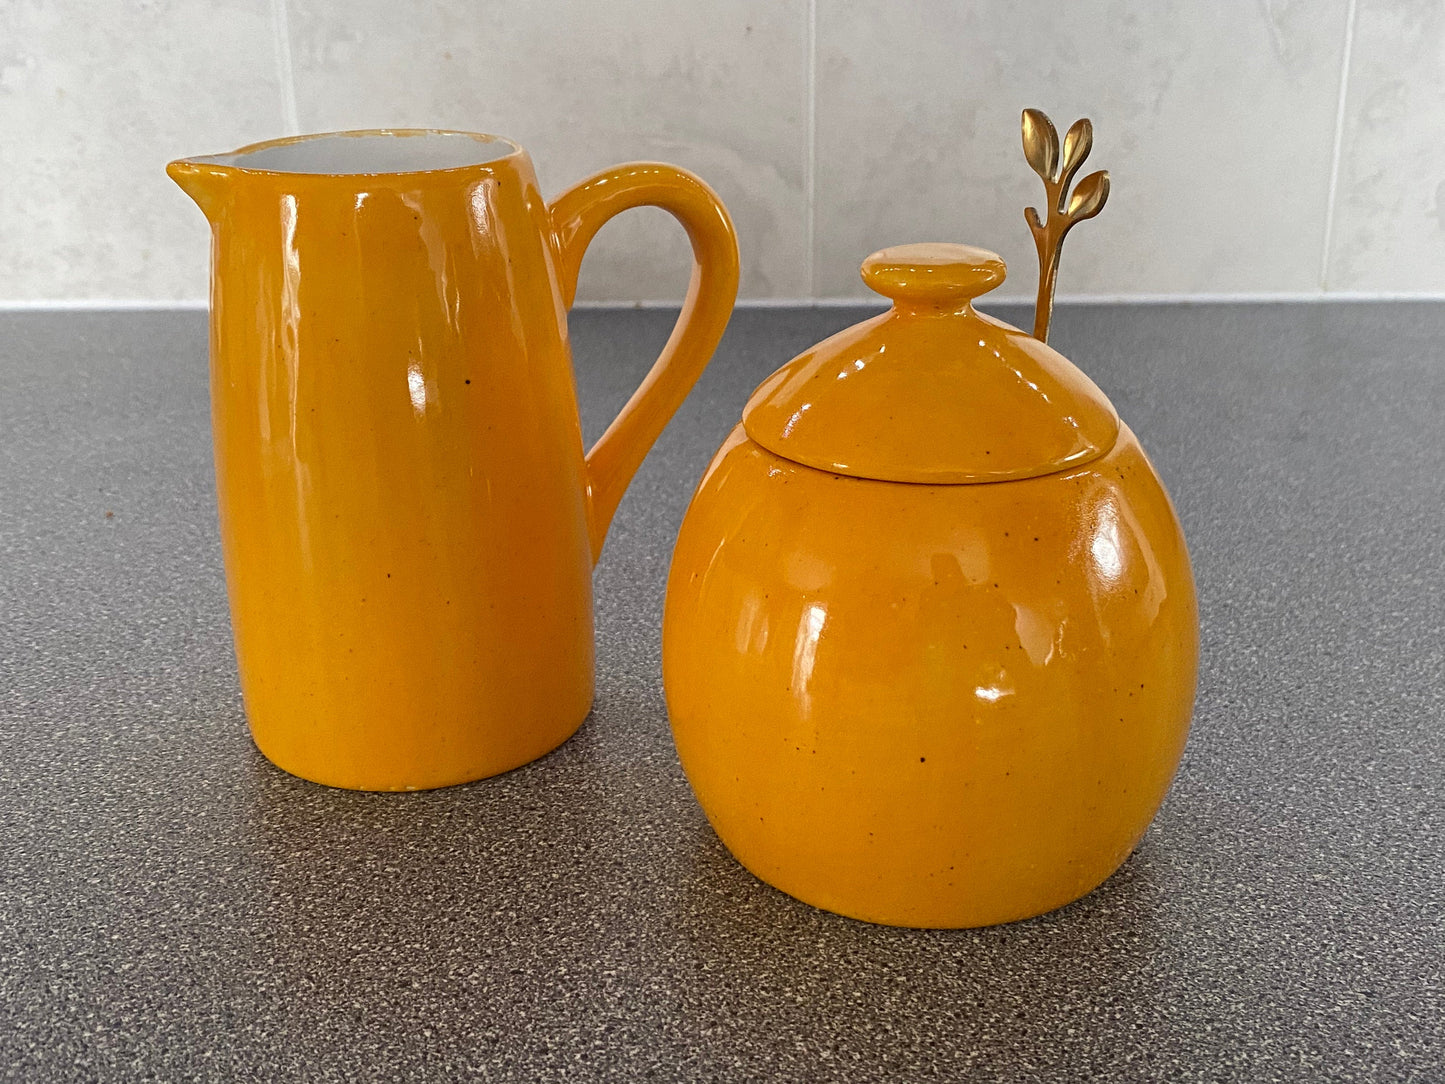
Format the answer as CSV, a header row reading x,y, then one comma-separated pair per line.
x,y
718,88
831,128
1389,221
1216,123
95,98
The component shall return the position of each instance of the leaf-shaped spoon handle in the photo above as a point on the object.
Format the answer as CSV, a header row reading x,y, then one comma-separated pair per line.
x,y
1077,145
1041,144
1041,151
1088,199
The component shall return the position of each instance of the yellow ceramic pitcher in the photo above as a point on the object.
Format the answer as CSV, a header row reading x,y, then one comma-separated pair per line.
x,y
408,518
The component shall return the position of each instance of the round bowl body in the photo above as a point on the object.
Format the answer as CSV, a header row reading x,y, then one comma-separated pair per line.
x,y
930,705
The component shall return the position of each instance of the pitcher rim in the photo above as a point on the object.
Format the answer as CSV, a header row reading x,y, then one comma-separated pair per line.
x,y
514,151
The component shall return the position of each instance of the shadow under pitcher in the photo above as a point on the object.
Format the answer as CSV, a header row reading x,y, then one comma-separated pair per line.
x,y
408,519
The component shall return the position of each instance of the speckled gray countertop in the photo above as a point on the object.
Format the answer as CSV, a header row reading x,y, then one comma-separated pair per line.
x,y
172,907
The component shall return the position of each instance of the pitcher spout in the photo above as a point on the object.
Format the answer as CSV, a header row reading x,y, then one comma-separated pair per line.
x,y
205,182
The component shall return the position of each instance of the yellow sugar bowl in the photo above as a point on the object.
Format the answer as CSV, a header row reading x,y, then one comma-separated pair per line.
x,y
930,639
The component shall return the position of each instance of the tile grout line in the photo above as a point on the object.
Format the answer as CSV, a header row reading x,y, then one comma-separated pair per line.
x,y
1337,151
282,28
810,161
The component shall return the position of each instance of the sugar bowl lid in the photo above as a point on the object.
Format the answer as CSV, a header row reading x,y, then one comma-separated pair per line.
x,y
932,391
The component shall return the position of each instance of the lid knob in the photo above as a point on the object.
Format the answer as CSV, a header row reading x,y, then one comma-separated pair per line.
x,y
933,273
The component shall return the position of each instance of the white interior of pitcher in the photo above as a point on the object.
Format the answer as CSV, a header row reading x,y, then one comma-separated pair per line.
x,y
386,151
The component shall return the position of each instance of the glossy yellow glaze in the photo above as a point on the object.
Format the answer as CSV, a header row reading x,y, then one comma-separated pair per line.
x,y
938,705
921,705
408,519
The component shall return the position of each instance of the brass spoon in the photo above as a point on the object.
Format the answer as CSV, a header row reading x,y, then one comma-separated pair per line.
x,y
1041,149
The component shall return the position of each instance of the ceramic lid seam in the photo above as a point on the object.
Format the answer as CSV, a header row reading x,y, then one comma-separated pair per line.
x,y
844,472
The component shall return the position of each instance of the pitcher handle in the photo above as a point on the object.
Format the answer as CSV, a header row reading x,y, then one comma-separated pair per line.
x,y
576,216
